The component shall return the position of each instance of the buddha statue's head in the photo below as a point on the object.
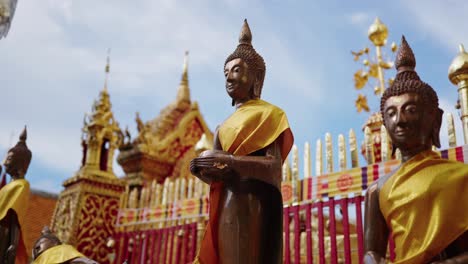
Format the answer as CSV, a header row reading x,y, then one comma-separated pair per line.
x,y
410,108
44,242
18,158
244,70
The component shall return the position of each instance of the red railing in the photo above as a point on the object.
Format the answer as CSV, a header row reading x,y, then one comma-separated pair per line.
x,y
325,238
329,231
175,244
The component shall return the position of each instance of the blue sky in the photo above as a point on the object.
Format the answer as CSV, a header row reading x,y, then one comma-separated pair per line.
x,y
52,64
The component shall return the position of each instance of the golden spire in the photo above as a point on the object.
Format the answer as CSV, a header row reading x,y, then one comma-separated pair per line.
x,y
378,33
107,69
183,93
458,66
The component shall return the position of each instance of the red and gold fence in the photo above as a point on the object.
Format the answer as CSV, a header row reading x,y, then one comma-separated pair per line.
x,y
323,218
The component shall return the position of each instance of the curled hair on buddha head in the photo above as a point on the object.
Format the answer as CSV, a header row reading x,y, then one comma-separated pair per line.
x,y
21,152
254,61
47,234
408,81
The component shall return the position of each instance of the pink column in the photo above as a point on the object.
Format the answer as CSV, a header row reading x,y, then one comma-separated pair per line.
x,y
360,235
308,227
332,223
287,254
321,233
347,245
297,235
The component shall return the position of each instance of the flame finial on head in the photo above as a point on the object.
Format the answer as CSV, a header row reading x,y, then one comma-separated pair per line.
x,y
46,230
24,135
405,60
245,36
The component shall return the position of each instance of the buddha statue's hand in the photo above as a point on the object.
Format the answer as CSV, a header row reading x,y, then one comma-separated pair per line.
x,y
11,254
212,165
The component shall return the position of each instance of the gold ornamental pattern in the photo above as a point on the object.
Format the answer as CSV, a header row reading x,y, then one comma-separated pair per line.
x,y
96,225
64,218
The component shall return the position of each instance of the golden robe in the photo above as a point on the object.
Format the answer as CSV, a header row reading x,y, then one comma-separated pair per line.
x,y
15,196
253,126
424,204
58,254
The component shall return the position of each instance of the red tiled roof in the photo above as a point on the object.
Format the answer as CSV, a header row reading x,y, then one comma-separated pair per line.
x,y
40,211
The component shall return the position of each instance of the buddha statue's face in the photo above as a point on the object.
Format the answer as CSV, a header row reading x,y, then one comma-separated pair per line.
x,y
12,165
239,80
408,122
42,245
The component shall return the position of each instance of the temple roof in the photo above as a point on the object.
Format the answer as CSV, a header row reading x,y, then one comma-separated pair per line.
x,y
165,139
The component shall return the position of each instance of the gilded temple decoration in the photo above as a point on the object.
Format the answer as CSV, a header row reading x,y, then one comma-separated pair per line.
x,y
101,136
458,75
86,211
164,146
373,66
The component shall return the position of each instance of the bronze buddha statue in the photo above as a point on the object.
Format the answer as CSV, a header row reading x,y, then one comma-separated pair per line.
x,y
422,203
49,249
244,168
14,199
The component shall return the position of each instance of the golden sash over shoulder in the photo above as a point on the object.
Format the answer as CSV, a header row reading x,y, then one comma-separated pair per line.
x,y
425,203
253,126
15,196
58,254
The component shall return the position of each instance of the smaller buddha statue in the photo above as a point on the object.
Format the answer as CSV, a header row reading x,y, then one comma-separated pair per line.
x,y
14,198
49,249
422,204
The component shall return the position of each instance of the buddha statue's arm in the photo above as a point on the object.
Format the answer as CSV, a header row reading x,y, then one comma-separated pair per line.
x,y
14,237
218,165
375,228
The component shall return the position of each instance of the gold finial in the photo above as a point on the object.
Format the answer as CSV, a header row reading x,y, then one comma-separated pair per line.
x,y
378,33
245,36
329,152
185,67
353,149
183,93
405,60
107,69
459,66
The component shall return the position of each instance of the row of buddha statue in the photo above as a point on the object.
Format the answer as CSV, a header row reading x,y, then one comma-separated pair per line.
x,y
419,205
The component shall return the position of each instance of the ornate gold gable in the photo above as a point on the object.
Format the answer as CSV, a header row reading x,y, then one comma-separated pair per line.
x,y
101,137
87,209
164,145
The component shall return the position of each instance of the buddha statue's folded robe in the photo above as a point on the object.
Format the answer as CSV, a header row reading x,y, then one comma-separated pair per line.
x,y
253,126
15,196
58,254
424,203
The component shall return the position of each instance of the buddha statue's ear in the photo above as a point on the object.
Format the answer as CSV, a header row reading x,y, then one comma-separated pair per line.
x,y
258,84
437,122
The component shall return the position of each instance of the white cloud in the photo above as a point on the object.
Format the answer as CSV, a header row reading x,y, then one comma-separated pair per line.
x,y
53,60
360,18
442,20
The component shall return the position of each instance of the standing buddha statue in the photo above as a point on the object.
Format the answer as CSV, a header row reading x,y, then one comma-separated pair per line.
x,y
422,204
14,198
244,168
